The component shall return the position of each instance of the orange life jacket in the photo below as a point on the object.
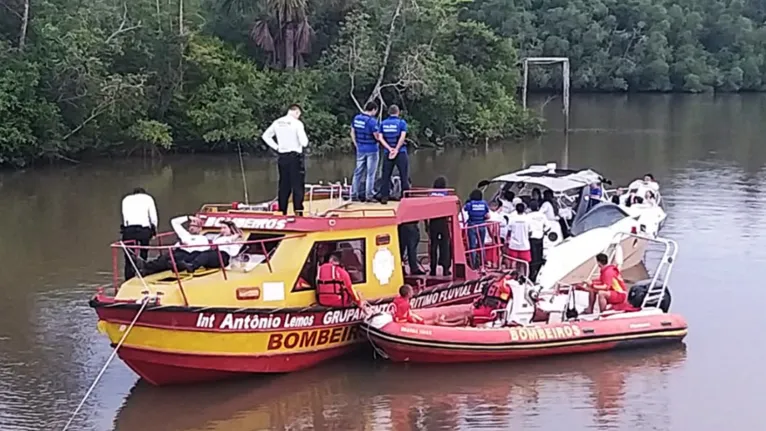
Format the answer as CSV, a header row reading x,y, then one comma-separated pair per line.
x,y
330,289
497,294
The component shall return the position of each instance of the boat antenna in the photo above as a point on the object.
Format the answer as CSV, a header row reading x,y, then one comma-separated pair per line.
x,y
242,169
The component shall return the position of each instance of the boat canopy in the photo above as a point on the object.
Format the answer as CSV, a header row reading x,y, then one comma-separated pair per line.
x,y
549,176
573,253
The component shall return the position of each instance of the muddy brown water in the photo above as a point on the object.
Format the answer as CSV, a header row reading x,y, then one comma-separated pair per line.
x,y
707,153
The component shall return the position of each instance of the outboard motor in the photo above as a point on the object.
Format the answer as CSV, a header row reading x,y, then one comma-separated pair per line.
x,y
638,292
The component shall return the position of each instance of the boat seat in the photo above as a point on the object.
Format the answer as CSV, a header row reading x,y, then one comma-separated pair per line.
x,y
519,310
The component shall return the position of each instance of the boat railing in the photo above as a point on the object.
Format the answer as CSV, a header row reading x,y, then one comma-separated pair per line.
x,y
488,253
338,193
658,282
259,245
417,192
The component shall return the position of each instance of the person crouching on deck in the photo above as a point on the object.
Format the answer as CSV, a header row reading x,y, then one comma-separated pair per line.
x,y
401,307
227,242
334,288
495,297
609,288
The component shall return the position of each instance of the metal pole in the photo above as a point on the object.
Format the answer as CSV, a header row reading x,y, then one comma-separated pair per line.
x,y
526,81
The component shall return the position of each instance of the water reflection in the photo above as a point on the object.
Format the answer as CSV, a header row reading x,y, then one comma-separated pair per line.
x,y
350,395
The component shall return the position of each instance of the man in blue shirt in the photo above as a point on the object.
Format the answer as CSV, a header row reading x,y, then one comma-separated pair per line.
x,y
365,134
478,215
394,131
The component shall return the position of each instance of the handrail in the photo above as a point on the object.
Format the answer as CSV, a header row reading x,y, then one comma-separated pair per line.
x,y
169,248
427,192
492,228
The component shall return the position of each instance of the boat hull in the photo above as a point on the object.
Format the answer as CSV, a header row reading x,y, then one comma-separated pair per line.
x,y
173,345
404,342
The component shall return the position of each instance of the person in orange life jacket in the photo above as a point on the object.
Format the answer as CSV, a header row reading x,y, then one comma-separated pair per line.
x,y
401,309
439,252
609,288
226,245
495,297
365,134
190,243
334,288
478,214
394,131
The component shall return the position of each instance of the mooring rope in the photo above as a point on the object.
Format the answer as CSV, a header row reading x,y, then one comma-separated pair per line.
x,y
145,300
376,349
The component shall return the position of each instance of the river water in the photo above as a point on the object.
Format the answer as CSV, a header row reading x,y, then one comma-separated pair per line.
x,y
707,153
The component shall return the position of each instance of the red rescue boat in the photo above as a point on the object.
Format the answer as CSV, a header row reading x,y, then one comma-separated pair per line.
x,y
535,323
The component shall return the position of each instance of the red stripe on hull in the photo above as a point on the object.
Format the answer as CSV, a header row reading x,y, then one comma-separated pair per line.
x,y
164,368
405,353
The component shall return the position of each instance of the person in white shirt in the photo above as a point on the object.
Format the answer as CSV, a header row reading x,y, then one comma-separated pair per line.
x,y
518,235
549,207
190,243
228,241
290,143
537,227
139,224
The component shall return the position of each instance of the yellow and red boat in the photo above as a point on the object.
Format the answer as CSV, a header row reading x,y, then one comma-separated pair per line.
x,y
260,314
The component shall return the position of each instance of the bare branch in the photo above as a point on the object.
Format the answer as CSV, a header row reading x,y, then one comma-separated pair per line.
x,y
387,52
10,9
352,72
122,28
24,24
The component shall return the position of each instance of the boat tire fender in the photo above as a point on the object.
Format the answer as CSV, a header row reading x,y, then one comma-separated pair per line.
x,y
638,291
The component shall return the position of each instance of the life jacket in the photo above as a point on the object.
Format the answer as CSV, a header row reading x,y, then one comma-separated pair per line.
x,y
497,294
330,290
618,284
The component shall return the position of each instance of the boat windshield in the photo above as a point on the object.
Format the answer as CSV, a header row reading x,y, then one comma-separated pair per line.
x,y
603,214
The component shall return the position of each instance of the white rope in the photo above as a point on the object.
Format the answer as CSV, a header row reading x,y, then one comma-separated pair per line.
x,y
145,300
108,361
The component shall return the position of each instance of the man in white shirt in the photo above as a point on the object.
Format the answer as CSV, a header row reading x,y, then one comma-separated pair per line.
x,y
190,243
139,224
537,228
291,140
518,236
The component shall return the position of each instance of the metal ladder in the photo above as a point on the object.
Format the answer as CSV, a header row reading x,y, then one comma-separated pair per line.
x,y
657,287
336,198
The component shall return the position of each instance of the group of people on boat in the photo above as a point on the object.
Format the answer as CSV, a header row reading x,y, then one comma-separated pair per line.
x,y
520,227
370,138
192,251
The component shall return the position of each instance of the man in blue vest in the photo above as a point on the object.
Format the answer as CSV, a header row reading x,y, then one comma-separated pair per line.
x,y
365,134
394,131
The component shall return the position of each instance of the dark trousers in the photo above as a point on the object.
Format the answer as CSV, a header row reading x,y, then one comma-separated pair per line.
x,y
164,263
409,237
135,235
402,163
292,179
207,259
439,251
536,250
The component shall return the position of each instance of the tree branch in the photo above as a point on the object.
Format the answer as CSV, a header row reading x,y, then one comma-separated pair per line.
x,y
122,28
24,24
387,52
352,74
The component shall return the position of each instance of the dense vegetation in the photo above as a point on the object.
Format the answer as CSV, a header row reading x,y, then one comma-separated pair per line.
x,y
109,76
98,76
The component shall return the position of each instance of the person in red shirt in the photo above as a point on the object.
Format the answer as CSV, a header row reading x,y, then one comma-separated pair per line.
x,y
609,288
334,288
401,307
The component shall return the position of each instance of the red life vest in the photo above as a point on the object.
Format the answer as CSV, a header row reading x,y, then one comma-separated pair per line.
x,y
497,294
330,289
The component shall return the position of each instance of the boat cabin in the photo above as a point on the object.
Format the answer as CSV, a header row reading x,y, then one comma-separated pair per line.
x,y
280,255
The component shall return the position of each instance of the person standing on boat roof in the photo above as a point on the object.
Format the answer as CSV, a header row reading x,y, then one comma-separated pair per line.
x,y
478,214
190,243
609,288
365,135
334,287
228,242
139,224
394,131
290,143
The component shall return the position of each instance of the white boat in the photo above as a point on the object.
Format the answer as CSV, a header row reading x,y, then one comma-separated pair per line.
x,y
578,210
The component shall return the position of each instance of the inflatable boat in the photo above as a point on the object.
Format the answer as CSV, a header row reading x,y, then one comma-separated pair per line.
x,y
538,321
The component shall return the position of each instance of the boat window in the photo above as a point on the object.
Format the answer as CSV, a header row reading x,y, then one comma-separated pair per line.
x,y
352,258
602,215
